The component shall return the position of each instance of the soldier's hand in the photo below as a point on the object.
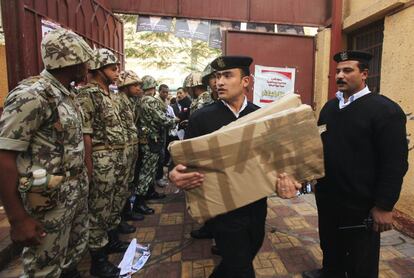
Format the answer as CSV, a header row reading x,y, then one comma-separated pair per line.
x,y
27,232
287,186
382,219
185,180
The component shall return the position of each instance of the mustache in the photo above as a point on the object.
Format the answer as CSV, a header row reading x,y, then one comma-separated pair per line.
x,y
340,82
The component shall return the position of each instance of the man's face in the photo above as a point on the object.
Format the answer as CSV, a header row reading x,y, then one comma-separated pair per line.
x,y
164,93
180,94
212,82
81,72
231,84
349,78
111,72
134,90
150,92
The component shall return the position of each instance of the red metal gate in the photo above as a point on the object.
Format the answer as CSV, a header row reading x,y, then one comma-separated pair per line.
x,y
277,50
22,26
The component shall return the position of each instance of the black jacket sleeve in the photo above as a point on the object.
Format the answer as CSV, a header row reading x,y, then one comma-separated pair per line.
x,y
392,148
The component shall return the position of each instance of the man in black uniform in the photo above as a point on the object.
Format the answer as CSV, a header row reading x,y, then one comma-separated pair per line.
x,y
239,233
365,151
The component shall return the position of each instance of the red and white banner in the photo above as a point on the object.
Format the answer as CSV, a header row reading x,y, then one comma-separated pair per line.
x,y
271,83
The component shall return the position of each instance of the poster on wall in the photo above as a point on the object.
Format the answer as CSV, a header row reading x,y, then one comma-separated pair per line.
x,y
192,29
271,83
216,31
154,24
48,26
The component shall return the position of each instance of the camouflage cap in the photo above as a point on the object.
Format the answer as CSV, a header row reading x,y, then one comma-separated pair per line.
x,y
126,78
193,79
207,72
148,82
102,57
62,48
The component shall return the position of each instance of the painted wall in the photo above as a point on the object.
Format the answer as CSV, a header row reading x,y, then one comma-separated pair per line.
x,y
397,80
323,44
352,7
3,75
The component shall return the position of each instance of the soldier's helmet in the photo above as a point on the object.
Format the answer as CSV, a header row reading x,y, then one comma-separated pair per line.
x,y
207,72
62,48
126,78
193,79
148,82
102,57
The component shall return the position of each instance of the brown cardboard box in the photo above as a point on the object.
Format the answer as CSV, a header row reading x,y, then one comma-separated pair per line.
x,y
241,161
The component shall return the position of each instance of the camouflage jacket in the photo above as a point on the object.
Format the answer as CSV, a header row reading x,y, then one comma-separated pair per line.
x,y
42,121
152,118
202,100
102,119
128,115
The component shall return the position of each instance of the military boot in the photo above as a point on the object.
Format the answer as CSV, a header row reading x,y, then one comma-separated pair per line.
x,y
128,212
140,206
154,195
125,228
115,245
101,267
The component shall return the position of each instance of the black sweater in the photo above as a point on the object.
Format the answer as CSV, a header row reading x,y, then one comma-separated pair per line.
x,y
365,151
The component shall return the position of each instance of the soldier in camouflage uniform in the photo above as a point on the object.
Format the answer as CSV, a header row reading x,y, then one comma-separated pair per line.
x,y
152,118
105,143
40,134
130,92
198,91
208,78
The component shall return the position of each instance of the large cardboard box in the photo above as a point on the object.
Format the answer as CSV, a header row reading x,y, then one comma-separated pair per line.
x,y
241,161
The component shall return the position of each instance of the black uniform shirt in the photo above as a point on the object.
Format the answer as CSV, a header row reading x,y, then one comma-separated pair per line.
x,y
365,151
212,117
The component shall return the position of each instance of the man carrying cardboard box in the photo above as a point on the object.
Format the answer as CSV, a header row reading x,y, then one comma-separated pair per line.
x,y
239,233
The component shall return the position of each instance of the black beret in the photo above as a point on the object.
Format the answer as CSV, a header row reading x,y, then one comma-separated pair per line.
x,y
231,62
352,55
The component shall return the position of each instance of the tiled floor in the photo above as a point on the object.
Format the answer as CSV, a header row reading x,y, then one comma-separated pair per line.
x,y
290,246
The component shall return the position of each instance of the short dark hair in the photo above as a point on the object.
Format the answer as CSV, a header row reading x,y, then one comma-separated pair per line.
x,y
162,86
180,88
363,66
245,71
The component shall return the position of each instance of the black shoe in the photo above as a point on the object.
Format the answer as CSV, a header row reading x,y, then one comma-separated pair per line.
x,y
215,250
115,245
133,216
101,267
129,214
70,273
140,206
201,233
125,228
154,196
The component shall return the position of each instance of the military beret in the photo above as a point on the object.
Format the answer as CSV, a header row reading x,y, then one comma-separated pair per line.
x,y
352,55
231,62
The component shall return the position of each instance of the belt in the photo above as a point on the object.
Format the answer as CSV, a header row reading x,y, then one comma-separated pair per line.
x,y
102,147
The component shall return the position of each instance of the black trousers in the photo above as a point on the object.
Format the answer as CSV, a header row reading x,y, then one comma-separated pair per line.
x,y
352,251
239,235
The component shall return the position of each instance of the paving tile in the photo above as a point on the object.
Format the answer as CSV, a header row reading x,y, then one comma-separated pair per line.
x,y
291,244
171,218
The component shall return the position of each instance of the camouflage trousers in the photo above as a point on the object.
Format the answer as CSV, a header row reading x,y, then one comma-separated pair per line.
x,y
131,153
148,169
109,186
66,227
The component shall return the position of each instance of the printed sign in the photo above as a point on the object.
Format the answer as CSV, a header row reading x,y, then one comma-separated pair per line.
x,y
271,83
